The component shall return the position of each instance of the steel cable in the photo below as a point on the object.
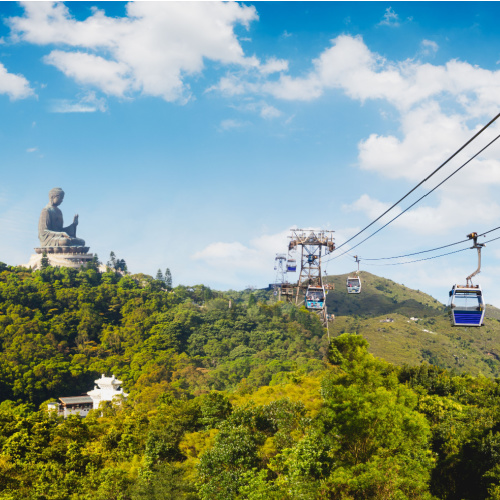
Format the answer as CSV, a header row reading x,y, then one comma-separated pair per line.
x,y
421,182
412,205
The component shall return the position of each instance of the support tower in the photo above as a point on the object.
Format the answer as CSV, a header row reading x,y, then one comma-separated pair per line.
x,y
310,288
280,268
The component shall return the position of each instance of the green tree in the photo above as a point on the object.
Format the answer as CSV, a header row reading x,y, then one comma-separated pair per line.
x,y
122,266
112,261
165,481
382,442
252,300
168,278
221,468
215,408
44,263
93,264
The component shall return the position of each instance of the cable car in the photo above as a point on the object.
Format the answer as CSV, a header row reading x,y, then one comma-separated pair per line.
x,y
467,306
315,297
291,266
353,284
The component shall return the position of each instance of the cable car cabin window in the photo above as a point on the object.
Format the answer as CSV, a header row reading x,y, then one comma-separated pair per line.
x,y
467,307
467,301
315,299
353,285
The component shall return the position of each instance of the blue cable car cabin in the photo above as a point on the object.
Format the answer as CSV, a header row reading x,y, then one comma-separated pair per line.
x,y
467,306
353,284
311,258
315,297
291,266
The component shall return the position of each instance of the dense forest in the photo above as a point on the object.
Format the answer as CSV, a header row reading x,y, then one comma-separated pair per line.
x,y
231,395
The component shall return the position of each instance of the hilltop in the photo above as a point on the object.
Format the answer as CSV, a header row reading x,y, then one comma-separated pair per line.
x,y
382,312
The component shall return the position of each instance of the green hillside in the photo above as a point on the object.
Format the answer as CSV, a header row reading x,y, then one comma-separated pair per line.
x,y
382,312
379,296
232,395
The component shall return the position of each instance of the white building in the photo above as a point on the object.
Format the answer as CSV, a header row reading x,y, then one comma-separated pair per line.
x,y
108,389
81,405
76,405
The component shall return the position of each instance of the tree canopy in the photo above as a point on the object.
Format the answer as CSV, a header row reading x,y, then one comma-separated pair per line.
x,y
243,401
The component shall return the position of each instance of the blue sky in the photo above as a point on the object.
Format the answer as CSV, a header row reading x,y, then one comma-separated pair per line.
x,y
195,135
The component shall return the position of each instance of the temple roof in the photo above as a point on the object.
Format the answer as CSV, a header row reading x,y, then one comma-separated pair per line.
x,y
76,400
108,381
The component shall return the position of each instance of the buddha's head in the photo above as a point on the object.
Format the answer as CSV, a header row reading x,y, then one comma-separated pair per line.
x,y
56,196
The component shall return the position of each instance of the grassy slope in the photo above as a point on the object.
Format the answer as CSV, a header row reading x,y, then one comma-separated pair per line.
x,y
431,338
379,296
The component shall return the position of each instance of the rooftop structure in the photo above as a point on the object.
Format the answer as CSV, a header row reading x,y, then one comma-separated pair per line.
x,y
108,389
77,405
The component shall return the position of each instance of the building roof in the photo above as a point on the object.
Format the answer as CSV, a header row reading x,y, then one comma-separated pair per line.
x,y
108,381
74,400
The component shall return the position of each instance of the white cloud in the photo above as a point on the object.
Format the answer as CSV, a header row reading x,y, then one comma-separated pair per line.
x,y
88,103
32,150
252,263
269,112
428,47
365,203
440,107
390,18
152,50
264,109
87,69
469,200
15,86
350,66
66,106
429,138
231,124
273,65
230,85
221,253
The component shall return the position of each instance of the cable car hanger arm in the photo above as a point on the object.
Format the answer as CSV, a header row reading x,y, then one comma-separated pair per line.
x,y
478,246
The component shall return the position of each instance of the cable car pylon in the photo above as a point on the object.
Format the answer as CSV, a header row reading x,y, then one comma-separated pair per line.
x,y
279,267
467,305
310,289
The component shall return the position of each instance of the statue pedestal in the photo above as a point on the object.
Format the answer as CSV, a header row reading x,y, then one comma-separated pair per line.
x,y
74,257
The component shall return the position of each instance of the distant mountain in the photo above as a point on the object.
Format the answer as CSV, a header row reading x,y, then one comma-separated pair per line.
x,y
382,312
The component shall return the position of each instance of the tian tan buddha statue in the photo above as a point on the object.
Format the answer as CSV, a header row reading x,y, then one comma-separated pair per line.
x,y
50,227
